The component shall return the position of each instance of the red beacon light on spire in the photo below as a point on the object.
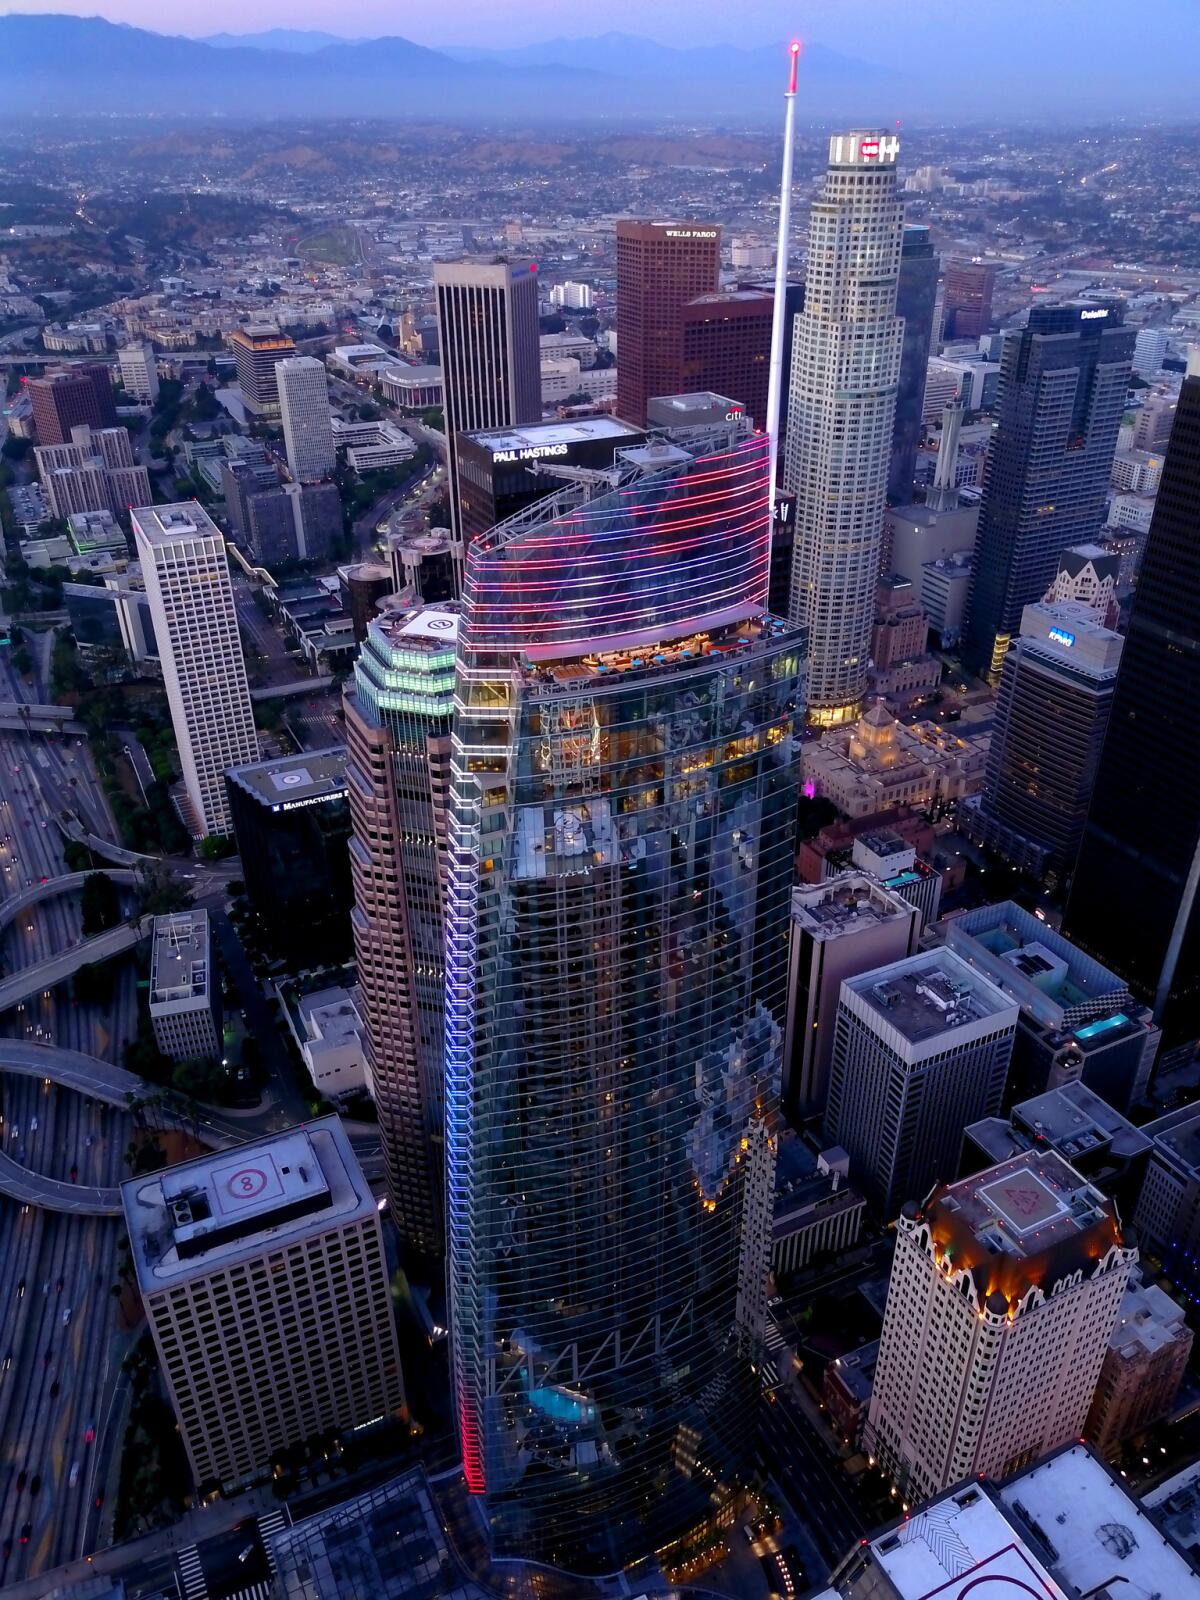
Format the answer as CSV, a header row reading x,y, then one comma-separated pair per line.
x,y
794,48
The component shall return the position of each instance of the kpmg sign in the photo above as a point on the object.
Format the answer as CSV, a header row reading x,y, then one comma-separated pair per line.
x,y
1061,636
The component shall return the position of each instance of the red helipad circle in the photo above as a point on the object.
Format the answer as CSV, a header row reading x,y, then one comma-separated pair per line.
x,y
246,1183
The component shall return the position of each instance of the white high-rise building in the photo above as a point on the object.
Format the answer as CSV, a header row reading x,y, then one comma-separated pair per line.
x,y
572,296
265,1284
139,373
920,1048
186,575
845,368
1005,1290
304,409
1150,351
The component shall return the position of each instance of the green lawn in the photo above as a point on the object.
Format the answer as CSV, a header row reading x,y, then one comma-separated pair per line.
x,y
338,246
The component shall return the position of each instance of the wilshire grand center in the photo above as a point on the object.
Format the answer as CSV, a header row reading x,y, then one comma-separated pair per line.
x,y
624,781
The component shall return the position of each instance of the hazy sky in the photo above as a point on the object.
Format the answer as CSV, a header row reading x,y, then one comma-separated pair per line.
x,y
907,33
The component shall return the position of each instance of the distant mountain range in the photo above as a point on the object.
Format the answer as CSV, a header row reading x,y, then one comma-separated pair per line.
x,y
57,64
62,64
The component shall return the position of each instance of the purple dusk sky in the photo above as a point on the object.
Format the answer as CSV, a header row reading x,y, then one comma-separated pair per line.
x,y
899,32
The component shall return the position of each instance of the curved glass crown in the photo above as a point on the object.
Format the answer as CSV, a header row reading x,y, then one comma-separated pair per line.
x,y
624,785
659,556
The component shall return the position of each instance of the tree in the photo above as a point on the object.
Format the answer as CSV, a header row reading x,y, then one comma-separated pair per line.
x,y
217,846
99,904
22,661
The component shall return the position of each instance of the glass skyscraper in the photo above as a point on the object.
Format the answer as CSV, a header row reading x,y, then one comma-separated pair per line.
x,y
398,711
1063,382
624,784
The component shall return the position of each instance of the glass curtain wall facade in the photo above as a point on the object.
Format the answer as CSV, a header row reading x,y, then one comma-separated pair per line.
x,y
397,773
624,785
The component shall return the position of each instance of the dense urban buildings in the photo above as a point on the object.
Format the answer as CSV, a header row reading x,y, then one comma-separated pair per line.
x,y
293,522
1005,1290
1063,383
1078,1020
499,471
1066,1525
967,303
304,412
1141,847
845,369
1168,1211
185,993
1052,712
725,347
1143,1366
844,926
78,394
624,786
263,1276
661,266
398,774
916,291
195,623
291,820
138,367
257,350
488,332
921,1048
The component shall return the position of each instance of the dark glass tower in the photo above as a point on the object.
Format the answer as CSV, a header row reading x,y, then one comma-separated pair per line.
x,y
1063,381
916,291
1134,890
624,782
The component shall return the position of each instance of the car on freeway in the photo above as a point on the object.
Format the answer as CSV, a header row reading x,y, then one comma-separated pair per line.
x,y
89,1433
74,1477
22,1479
36,1484
7,1548
26,1530
67,1317
54,1388
7,1360
21,1289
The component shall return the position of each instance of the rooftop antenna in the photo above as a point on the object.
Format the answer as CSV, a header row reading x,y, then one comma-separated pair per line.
x,y
779,312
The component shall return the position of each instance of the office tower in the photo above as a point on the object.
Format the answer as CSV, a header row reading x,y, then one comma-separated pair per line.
x,y
363,585
241,480
62,400
1078,1020
423,563
1150,351
846,925
185,1002
660,267
398,746
1052,1530
920,1048
502,470
291,819
845,367
968,298
488,331
1168,1210
293,522
916,291
266,1289
1133,900
185,570
1005,1289
725,346
139,373
572,296
304,411
1063,381
1052,712
894,863
624,785
1152,424
793,303
1087,575
257,350
1143,1366
1102,1145
94,472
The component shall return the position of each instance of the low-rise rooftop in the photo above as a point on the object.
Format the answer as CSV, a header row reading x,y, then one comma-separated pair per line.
x,y
285,783
179,960
929,996
222,1208
845,904
538,437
